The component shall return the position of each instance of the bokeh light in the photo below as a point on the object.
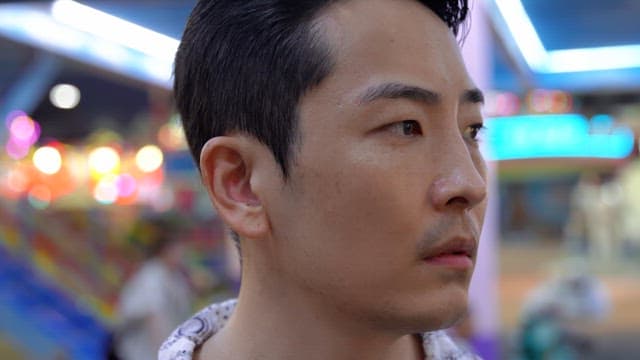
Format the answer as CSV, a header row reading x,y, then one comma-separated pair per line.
x,y
171,136
126,185
106,191
64,96
47,159
501,104
104,160
15,150
22,128
77,164
149,158
39,196
23,133
17,180
12,115
162,200
543,101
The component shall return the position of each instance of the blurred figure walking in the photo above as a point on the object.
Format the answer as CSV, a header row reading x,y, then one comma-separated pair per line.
x,y
594,223
558,315
156,299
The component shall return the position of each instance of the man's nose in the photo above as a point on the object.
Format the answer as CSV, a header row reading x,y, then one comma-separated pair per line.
x,y
461,180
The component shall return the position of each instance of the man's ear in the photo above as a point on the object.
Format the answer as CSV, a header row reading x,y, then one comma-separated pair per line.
x,y
226,163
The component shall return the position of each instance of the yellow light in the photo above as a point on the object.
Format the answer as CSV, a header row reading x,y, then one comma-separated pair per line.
x,y
104,160
171,136
149,158
47,159
77,164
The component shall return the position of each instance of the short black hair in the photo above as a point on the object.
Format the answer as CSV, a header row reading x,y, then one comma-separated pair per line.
x,y
243,66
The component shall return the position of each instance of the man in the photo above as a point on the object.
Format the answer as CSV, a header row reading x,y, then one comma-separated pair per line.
x,y
157,297
338,141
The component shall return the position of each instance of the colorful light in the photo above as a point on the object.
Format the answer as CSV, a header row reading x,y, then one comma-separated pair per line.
x,y
149,158
39,196
47,159
104,160
22,128
15,150
106,191
12,115
64,96
126,185
171,136
23,133
555,136
17,180
501,104
549,101
77,164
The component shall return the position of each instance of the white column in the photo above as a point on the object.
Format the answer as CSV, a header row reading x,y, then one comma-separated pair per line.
x,y
483,297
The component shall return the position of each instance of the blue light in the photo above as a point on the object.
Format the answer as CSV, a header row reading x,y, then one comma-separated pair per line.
x,y
556,136
94,37
565,60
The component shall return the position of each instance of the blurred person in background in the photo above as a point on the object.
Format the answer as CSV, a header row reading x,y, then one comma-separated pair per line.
x,y
157,297
630,212
339,142
558,316
595,217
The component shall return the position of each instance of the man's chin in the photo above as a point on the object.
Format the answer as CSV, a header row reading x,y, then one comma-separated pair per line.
x,y
446,312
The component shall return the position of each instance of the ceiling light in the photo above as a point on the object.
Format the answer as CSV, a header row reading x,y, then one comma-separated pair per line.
x,y
65,96
565,60
114,29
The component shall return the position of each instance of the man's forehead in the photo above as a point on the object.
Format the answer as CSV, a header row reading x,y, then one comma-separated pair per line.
x,y
357,18
391,41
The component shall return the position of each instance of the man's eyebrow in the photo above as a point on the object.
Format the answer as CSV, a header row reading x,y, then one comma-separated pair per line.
x,y
398,91
416,93
475,96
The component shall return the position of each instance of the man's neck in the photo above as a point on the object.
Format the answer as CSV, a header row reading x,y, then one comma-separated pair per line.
x,y
267,325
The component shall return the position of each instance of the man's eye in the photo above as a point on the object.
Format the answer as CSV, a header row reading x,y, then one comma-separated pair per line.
x,y
407,128
474,131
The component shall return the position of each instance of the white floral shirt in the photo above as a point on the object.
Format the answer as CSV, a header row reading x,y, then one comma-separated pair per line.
x,y
195,331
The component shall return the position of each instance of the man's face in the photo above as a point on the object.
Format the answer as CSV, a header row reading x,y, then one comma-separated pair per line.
x,y
386,191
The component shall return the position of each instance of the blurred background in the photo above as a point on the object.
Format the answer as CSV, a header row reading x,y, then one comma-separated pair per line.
x,y
92,153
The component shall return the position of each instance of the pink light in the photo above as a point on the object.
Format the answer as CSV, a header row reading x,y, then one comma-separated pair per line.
x,y
16,150
12,115
126,185
24,131
22,127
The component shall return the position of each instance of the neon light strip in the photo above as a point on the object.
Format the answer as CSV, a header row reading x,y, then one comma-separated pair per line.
x,y
561,61
555,136
29,24
524,32
597,58
114,29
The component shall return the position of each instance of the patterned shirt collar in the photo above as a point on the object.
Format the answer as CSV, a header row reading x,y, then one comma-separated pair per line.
x,y
206,323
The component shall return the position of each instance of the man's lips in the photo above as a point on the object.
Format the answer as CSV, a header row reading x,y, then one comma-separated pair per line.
x,y
457,253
